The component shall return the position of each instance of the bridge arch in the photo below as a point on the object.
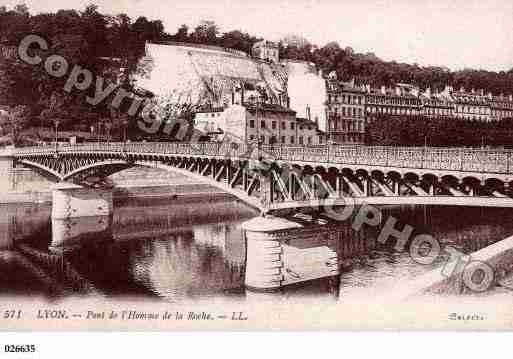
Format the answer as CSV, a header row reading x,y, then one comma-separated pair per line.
x,y
43,170
112,165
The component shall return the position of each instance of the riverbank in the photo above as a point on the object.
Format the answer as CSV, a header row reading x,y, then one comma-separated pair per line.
x,y
26,186
177,192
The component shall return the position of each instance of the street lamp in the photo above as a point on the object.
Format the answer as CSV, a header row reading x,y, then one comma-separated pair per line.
x,y
108,126
99,131
125,125
56,123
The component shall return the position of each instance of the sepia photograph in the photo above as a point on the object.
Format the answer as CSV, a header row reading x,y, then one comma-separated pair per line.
x,y
309,165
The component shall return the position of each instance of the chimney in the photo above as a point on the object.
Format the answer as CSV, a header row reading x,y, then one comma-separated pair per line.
x,y
383,90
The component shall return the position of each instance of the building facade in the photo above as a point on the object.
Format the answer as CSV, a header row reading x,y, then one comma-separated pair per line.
x,y
402,101
267,51
436,104
501,107
345,108
259,122
471,106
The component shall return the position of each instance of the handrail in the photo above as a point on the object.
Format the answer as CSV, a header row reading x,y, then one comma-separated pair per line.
x,y
455,159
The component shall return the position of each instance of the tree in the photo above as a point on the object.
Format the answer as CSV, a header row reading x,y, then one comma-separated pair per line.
x,y
205,33
182,34
21,9
15,122
238,40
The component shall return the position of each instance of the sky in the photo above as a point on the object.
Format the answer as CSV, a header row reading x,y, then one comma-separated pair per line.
x,y
454,33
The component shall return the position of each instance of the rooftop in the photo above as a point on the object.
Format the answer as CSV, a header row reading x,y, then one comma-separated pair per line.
x,y
265,43
268,107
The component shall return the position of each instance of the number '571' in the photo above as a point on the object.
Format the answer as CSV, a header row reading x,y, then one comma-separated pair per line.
x,y
12,314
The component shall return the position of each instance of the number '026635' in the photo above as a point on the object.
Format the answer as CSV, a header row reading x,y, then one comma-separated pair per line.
x,y
28,348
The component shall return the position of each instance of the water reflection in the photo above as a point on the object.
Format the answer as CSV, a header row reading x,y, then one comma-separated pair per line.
x,y
80,230
195,251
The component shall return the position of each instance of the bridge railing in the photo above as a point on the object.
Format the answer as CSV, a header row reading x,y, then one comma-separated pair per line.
x,y
456,159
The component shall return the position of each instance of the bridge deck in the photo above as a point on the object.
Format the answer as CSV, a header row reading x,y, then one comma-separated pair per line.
x,y
411,165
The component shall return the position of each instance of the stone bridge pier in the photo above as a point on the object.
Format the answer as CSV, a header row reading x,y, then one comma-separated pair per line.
x,y
281,252
79,211
71,201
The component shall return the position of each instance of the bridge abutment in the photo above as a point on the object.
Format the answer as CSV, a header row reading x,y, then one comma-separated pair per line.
x,y
264,257
73,201
274,259
6,172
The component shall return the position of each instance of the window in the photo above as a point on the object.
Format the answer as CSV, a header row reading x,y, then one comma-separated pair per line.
x,y
283,125
252,123
213,115
309,140
251,137
262,139
273,125
282,139
292,139
262,124
292,125
272,140
300,140
301,127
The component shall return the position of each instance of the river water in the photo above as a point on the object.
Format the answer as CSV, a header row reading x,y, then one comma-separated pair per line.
x,y
175,252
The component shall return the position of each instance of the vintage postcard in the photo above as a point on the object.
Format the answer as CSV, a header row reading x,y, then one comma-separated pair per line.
x,y
269,165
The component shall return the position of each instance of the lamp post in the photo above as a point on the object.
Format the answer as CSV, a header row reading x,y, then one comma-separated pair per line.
x,y
56,123
125,125
99,131
424,154
108,126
